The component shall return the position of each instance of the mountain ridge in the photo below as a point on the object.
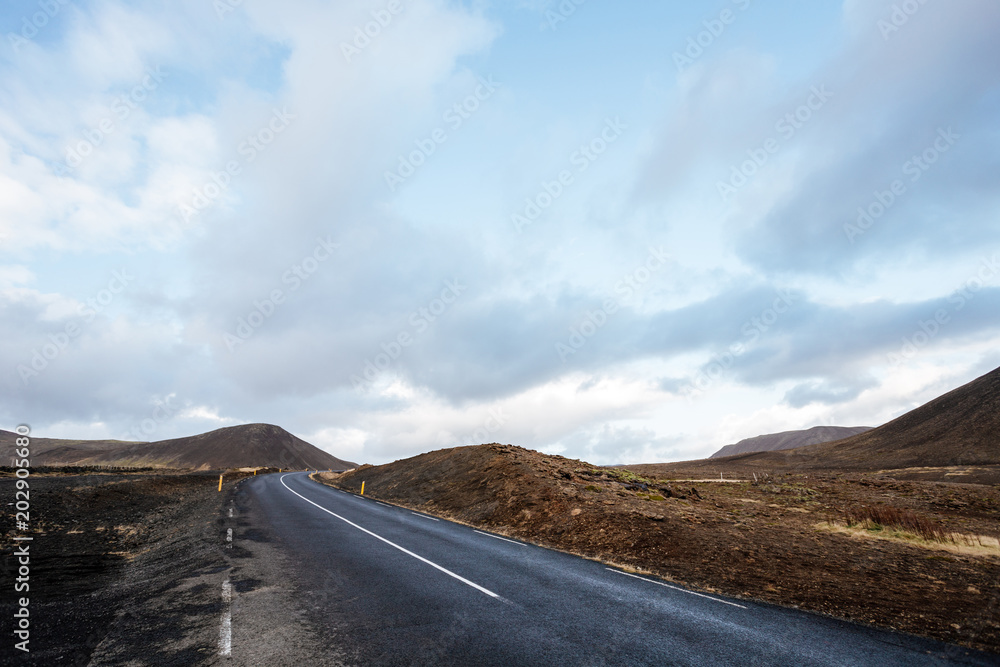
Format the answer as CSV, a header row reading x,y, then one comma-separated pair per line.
x,y
244,445
790,439
959,428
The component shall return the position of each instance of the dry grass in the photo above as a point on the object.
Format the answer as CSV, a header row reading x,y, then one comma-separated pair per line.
x,y
882,521
961,544
883,516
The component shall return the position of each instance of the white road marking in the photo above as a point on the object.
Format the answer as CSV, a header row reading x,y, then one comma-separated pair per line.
x,y
676,588
226,631
230,512
396,546
229,536
424,517
497,537
383,504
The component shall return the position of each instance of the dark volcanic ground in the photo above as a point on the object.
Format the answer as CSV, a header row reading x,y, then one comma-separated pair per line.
x,y
107,549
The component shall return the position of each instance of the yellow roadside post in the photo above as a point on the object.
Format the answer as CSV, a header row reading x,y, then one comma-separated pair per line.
x,y
254,472
362,488
220,482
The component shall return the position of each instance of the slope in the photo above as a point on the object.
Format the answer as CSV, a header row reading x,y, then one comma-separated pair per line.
x,y
959,428
230,447
790,440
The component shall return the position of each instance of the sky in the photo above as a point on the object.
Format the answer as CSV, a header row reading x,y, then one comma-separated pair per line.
x,y
621,232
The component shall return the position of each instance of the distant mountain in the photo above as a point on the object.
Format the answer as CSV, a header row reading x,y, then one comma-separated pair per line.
x,y
231,447
790,439
960,428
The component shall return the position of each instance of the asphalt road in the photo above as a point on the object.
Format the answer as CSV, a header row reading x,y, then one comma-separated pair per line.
x,y
382,585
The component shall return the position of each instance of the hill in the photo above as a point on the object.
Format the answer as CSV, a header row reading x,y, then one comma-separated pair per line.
x,y
230,447
491,483
960,428
790,440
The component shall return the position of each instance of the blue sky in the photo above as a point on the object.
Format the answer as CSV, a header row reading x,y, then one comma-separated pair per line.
x,y
619,232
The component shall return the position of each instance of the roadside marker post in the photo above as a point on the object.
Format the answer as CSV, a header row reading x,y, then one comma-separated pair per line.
x,y
220,482
362,488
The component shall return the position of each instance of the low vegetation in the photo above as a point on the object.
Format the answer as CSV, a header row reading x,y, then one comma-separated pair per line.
x,y
621,475
881,517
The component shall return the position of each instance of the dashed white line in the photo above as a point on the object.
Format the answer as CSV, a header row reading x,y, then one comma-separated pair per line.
x,y
396,546
497,537
226,631
229,538
422,516
230,512
676,588
383,504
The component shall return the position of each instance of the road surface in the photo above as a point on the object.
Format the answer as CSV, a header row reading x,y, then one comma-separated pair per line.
x,y
381,585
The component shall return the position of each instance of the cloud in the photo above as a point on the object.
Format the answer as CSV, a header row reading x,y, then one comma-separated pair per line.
x,y
610,444
827,393
893,101
236,166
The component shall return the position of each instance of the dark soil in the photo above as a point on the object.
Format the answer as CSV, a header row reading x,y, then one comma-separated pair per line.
x,y
105,547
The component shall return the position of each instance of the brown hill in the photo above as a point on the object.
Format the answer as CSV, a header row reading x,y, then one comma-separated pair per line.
x,y
790,440
476,483
960,428
497,486
231,447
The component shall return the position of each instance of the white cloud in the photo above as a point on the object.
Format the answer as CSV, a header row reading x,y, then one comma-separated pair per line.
x,y
321,176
